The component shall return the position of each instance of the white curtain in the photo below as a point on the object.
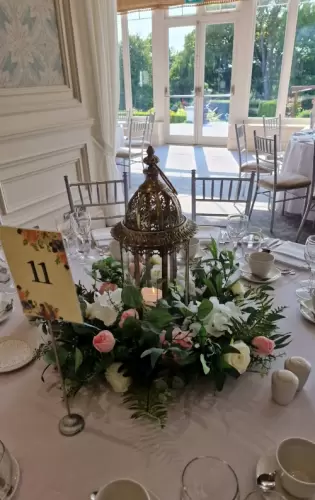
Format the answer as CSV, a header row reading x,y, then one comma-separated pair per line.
x,y
102,21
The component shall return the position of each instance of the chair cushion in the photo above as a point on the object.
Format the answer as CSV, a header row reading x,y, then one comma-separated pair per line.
x,y
284,181
251,166
124,152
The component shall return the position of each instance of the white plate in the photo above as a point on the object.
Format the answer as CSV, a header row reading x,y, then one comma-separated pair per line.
x,y
28,340
273,275
267,463
306,307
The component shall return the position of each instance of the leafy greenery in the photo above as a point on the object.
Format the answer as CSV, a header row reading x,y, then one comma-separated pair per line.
x,y
165,347
108,270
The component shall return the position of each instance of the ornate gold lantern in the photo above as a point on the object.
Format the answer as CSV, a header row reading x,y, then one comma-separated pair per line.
x,y
154,224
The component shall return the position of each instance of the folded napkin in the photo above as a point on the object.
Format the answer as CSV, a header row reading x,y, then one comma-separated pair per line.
x,y
290,253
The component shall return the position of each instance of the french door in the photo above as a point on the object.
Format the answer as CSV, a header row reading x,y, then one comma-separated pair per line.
x,y
199,90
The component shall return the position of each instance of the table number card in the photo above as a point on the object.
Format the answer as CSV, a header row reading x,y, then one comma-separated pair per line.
x,y
40,270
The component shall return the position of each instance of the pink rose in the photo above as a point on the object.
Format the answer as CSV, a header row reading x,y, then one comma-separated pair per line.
x,y
182,338
104,341
130,313
132,269
263,345
107,286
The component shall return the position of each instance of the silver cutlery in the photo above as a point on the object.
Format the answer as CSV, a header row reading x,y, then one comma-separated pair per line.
x,y
267,481
93,495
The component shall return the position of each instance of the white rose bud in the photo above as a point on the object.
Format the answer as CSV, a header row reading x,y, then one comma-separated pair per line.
x,y
239,361
117,381
237,288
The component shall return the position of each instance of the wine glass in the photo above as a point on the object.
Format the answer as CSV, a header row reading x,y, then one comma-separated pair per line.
x,y
236,228
209,477
307,289
65,227
259,495
81,224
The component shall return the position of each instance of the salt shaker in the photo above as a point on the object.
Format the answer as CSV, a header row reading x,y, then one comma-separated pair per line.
x,y
300,367
284,385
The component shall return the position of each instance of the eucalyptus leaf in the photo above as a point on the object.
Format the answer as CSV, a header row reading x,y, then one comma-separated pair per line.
x,y
78,359
211,287
205,308
131,296
158,317
50,357
155,353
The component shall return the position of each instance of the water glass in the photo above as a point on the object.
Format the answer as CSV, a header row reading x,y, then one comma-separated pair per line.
x,y
252,241
64,227
236,227
81,224
307,289
5,472
209,477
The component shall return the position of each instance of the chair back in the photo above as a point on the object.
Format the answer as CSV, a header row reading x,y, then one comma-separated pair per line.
x,y
221,189
124,115
266,147
97,194
240,132
137,131
273,126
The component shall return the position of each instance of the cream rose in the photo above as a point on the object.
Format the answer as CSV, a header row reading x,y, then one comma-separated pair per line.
x,y
117,380
239,361
237,288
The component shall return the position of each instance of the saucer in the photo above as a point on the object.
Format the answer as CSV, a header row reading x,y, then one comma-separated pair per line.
x,y
268,463
15,474
273,275
19,349
306,309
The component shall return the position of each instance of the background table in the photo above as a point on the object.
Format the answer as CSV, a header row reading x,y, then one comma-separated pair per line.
x,y
298,159
239,424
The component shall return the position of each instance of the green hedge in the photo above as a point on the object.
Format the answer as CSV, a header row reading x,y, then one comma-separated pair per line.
x,y
179,116
306,113
267,108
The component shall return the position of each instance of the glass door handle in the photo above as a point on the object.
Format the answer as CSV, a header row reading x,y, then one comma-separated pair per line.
x,y
233,89
166,92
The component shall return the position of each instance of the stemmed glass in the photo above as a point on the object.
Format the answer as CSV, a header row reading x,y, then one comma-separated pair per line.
x,y
252,240
236,228
209,477
65,227
5,472
81,224
307,288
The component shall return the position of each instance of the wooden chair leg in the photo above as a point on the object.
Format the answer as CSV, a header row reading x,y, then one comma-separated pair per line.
x,y
253,203
284,200
273,209
306,212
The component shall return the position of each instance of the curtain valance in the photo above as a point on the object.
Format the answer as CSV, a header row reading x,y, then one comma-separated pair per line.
x,y
129,5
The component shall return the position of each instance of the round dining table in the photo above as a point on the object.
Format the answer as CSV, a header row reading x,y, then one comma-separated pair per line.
x,y
239,424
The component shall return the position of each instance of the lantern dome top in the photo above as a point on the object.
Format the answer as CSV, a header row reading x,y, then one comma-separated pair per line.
x,y
154,217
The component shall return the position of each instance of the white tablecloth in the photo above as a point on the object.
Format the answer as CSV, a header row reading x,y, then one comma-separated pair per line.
x,y
239,424
298,159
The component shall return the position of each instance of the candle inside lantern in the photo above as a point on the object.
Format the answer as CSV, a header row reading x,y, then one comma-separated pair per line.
x,y
151,295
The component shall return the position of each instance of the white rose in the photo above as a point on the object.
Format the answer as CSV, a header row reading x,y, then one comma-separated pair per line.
x,y
217,321
180,280
110,299
117,381
238,288
239,361
156,273
106,314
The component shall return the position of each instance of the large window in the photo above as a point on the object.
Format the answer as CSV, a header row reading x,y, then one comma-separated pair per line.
x,y
267,59
122,101
140,48
302,80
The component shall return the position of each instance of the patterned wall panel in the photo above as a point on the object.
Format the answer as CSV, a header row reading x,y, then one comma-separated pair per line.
x,y
29,45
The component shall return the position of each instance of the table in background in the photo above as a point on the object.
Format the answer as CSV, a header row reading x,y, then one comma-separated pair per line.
x,y
239,424
298,159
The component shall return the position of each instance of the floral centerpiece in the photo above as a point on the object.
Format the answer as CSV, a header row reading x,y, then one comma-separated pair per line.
x,y
148,351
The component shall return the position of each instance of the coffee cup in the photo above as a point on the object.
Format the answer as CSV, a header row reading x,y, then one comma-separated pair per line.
x,y
194,248
260,263
296,463
123,489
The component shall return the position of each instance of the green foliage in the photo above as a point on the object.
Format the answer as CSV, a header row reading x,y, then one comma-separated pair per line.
x,y
179,116
213,116
267,108
306,113
109,270
150,404
131,296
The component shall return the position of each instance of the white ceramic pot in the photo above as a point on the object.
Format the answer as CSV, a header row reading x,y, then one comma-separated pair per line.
x,y
123,489
296,462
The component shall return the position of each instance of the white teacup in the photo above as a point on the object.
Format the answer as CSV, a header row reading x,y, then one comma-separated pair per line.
x,y
296,462
194,248
123,489
260,263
